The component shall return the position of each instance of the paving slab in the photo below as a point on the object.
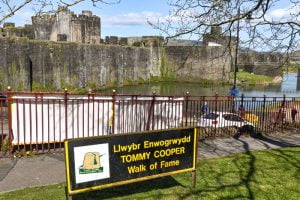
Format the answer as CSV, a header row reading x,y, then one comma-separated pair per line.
x,y
226,146
36,171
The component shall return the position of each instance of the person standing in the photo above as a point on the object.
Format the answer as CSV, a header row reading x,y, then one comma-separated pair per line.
x,y
293,114
204,108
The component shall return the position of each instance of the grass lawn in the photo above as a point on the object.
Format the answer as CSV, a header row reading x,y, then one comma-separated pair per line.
x,y
270,174
252,79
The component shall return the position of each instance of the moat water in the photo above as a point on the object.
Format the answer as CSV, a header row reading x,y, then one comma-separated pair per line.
x,y
287,87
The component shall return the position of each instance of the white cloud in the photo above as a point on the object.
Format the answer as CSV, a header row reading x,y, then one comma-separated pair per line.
x,y
288,13
139,18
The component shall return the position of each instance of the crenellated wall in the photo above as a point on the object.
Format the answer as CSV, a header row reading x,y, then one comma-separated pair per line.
x,y
83,28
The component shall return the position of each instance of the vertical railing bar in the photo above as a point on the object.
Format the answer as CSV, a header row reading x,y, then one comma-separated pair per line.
x,y
83,132
98,118
113,111
88,115
119,116
42,111
66,113
2,123
18,126
59,116
186,107
53,110
103,121
77,118
153,111
36,123
48,112
24,125
93,99
107,117
30,124
10,136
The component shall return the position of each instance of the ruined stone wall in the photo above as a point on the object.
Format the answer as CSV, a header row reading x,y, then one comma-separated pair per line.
x,y
55,64
9,30
44,27
84,28
260,63
190,63
25,63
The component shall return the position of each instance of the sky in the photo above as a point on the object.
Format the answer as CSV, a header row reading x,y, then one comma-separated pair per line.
x,y
129,17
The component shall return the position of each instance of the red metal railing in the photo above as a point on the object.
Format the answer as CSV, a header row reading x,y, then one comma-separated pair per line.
x,y
39,122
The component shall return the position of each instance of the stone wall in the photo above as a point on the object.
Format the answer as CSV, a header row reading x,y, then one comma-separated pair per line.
x,y
29,63
192,63
83,28
269,64
9,30
54,64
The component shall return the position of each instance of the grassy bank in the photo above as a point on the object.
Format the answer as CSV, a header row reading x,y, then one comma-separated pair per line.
x,y
291,68
271,174
252,79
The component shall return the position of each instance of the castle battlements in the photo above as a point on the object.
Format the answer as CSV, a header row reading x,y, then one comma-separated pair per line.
x,y
67,26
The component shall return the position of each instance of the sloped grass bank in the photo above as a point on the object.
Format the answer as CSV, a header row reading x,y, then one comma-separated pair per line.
x,y
252,79
270,174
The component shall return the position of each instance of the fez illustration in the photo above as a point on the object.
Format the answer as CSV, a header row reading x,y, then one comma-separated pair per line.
x,y
91,163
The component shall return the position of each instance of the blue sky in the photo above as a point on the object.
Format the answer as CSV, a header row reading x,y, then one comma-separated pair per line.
x,y
129,17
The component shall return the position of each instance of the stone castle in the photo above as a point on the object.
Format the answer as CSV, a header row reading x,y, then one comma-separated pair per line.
x,y
63,26
66,49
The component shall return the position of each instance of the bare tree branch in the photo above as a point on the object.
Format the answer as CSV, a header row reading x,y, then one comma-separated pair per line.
x,y
260,27
8,8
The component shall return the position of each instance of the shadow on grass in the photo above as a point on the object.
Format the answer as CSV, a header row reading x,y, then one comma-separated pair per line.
x,y
247,177
244,185
133,188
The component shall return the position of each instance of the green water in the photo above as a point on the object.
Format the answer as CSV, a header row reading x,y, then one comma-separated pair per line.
x,y
287,87
169,89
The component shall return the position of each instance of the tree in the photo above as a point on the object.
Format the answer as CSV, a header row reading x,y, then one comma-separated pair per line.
x,y
259,26
9,7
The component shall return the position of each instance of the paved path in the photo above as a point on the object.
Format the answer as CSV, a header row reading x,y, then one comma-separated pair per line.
x,y
50,168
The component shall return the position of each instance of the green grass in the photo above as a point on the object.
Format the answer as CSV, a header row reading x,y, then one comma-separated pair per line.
x,y
270,174
291,68
252,79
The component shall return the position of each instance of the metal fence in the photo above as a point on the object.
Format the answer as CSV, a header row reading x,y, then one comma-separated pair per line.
x,y
39,122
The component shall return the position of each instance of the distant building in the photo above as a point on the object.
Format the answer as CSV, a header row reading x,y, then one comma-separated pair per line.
x,y
67,26
180,42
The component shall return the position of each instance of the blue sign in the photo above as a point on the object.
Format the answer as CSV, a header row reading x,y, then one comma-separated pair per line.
x,y
234,91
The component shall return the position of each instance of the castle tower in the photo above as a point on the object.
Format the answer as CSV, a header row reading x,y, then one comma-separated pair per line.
x,y
66,26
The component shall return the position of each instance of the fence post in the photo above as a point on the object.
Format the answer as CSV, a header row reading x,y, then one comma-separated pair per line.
x,y
264,113
151,113
242,99
9,115
66,111
153,105
216,101
113,112
186,107
284,110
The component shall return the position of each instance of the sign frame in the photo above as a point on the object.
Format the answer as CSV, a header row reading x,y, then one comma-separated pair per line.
x,y
70,192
